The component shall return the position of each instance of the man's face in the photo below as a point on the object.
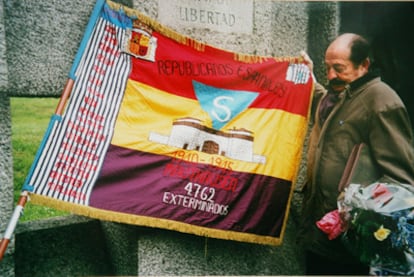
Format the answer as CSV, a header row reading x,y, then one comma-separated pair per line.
x,y
340,70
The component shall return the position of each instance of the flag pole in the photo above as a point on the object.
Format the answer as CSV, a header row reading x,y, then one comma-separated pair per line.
x,y
24,196
12,223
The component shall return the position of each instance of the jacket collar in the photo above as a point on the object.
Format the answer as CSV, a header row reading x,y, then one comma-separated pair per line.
x,y
355,87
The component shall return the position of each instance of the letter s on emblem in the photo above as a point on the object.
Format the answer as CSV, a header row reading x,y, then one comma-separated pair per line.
x,y
225,109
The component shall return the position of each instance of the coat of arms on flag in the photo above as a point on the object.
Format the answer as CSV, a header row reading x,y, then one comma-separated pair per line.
x,y
164,131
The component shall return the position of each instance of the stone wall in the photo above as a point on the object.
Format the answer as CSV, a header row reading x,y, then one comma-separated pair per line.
x,y
6,166
38,41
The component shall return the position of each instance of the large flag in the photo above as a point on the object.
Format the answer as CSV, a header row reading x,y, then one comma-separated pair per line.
x,y
165,131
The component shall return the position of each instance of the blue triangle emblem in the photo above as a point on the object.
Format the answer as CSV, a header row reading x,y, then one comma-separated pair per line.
x,y
222,105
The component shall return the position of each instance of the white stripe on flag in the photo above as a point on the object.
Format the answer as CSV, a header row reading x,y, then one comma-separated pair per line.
x,y
70,162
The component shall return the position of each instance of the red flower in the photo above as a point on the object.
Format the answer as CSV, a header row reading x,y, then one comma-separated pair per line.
x,y
331,224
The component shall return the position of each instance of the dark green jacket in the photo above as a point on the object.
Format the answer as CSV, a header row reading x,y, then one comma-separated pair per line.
x,y
372,113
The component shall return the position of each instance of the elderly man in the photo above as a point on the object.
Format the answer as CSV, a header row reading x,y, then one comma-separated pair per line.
x,y
357,107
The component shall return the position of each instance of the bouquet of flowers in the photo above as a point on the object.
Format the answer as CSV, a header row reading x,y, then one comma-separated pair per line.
x,y
376,223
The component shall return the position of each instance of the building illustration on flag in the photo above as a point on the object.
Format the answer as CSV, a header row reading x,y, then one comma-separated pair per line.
x,y
190,134
164,131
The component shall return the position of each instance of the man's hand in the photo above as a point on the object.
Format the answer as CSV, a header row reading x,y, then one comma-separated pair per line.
x,y
307,60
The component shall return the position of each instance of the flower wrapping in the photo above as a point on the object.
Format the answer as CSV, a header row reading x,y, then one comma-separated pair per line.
x,y
331,224
376,224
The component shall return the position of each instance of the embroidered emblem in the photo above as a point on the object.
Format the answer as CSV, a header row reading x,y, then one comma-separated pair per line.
x,y
222,105
298,73
139,42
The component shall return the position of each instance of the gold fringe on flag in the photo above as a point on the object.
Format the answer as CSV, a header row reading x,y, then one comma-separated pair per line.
x,y
152,222
248,58
156,26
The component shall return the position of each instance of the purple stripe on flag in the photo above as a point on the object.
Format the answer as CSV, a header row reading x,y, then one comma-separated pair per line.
x,y
140,183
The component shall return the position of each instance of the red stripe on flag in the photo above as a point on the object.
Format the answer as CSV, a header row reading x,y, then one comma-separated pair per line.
x,y
177,65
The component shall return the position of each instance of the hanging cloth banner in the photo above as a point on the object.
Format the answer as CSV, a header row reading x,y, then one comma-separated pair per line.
x,y
165,131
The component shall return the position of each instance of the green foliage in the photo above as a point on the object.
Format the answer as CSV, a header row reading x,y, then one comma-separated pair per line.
x,y
30,118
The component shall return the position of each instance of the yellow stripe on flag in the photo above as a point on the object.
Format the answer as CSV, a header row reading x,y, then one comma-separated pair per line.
x,y
147,112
